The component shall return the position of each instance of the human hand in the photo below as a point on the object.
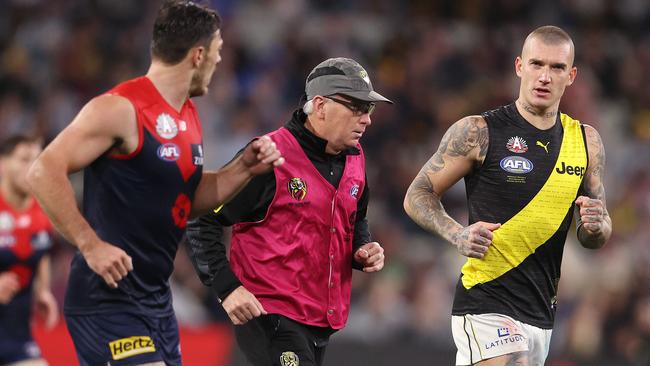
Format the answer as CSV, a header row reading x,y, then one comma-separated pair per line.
x,y
261,155
47,308
474,240
108,261
592,212
9,286
242,306
371,256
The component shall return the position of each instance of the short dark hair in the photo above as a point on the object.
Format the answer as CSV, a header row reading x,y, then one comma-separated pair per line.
x,y
181,25
9,145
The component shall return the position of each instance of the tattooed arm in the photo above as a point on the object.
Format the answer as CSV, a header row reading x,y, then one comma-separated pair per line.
x,y
463,147
592,219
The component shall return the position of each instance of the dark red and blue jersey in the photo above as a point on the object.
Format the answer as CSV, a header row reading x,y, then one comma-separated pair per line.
x,y
24,239
140,202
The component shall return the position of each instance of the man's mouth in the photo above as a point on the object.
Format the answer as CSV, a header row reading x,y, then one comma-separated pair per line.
x,y
542,92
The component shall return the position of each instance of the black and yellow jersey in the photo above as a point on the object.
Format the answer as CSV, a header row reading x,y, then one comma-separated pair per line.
x,y
528,182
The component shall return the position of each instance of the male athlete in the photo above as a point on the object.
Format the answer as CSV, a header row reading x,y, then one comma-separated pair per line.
x,y
140,144
528,169
24,263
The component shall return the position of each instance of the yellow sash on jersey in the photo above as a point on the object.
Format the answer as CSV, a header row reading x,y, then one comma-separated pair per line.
x,y
536,223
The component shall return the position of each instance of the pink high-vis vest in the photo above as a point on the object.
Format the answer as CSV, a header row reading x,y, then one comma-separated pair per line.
x,y
298,260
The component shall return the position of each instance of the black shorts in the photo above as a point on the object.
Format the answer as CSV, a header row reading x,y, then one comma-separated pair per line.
x,y
124,339
274,340
12,350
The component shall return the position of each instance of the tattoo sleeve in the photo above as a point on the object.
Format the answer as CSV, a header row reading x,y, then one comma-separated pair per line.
x,y
462,148
593,187
517,359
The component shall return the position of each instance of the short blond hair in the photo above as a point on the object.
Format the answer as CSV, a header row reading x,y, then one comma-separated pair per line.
x,y
552,35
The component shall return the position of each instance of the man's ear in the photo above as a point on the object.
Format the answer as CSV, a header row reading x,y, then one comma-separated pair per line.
x,y
572,75
518,65
319,106
198,55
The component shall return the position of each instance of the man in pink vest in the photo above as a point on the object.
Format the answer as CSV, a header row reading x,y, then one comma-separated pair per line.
x,y
298,231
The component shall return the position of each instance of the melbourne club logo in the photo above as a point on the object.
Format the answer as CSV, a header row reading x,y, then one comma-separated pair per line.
x,y
297,188
517,145
166,126
6,221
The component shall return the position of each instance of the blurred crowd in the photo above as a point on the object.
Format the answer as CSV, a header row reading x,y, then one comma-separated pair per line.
x,y
439,61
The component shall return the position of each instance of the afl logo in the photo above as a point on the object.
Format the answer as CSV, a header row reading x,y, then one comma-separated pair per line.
x,y
169,152
516,165
297,189
166,126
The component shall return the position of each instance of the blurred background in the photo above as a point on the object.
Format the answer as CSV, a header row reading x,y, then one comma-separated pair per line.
x,y
439,61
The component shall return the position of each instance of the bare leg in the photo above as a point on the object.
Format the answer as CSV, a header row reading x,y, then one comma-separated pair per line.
x,y
511,359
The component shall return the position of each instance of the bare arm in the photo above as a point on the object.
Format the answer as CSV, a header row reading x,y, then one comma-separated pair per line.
x,y
46,305
592,219
105,122
42,281
217,188
463,147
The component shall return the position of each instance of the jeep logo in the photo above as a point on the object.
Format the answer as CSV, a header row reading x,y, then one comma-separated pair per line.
x,y
571,170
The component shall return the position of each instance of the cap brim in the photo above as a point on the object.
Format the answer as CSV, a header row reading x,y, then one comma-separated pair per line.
x,y
371,96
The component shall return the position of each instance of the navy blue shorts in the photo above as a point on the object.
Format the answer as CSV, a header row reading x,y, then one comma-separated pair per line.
x,y
124,339
13,351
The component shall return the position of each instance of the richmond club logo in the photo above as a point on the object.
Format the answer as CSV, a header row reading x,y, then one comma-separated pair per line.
x,y
354,191
517,145
297,189
289,359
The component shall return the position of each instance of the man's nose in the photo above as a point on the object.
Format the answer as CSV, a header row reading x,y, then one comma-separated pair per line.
x,y
545,76
365,119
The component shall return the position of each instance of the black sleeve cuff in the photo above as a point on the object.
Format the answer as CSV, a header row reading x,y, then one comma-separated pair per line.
x,y
225,282
356,265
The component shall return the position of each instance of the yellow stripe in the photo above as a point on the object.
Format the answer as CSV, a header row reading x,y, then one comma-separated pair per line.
x,y
216,210
536,223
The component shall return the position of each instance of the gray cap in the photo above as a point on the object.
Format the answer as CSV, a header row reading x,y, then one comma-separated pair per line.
x,y
341,76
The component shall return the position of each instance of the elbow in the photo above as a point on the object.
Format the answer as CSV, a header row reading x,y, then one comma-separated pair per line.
x,y
407,204
593,245
594,242
41,174
35,175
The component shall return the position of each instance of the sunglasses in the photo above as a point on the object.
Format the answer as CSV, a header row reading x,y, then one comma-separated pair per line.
x,y
356,108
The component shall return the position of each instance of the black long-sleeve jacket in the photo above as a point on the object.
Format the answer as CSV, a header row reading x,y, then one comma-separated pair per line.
x,y
205,235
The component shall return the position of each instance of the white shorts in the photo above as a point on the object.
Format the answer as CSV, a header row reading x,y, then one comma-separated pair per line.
x,y
484,336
